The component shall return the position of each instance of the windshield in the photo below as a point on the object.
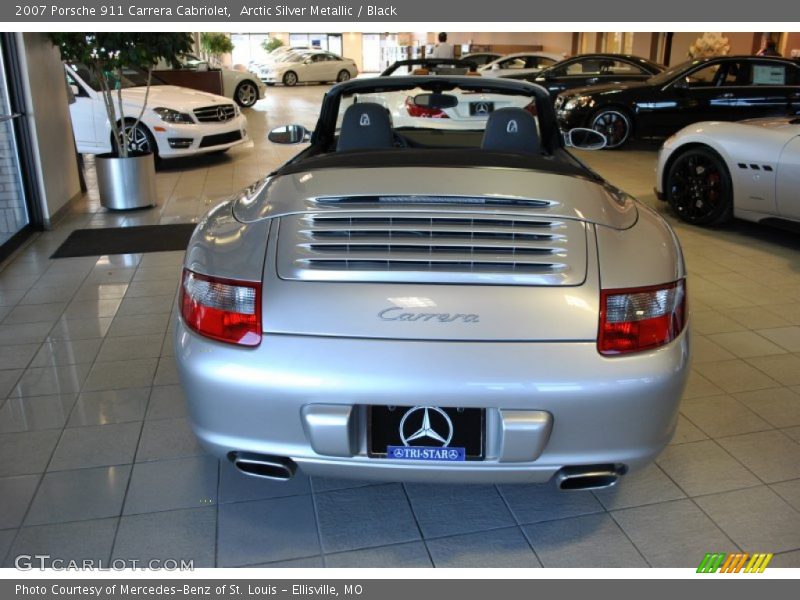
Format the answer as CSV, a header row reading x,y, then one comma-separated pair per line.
x,y
424,117
131,77
671,73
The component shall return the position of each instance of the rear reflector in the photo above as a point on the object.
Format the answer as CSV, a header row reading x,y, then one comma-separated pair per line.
x,y
636,319
222,309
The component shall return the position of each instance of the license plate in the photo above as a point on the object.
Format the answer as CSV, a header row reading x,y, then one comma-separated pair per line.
x,y
477,109
427,433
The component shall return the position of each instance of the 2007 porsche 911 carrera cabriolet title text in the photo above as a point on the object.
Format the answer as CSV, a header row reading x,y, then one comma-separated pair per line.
x,y
434,299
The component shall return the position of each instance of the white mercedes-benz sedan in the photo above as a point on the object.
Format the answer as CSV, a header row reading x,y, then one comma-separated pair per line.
x,y
176,122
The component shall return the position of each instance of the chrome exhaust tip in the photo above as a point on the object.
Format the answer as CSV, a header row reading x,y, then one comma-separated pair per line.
x,y
276,468
596,477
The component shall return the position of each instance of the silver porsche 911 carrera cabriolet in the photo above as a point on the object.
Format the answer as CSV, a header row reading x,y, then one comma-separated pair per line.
x,y
416,303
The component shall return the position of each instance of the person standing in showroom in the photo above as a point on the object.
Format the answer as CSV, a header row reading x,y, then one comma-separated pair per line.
x,y
443,49
768,48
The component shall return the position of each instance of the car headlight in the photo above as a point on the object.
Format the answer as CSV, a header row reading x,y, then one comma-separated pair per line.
x,y
578,102
173,116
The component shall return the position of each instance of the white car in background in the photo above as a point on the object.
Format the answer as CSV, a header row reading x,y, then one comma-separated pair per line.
x,y
308,66
176,122
712,171
521,63
245,87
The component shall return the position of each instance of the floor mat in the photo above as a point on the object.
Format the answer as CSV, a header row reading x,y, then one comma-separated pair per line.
x,y
126,240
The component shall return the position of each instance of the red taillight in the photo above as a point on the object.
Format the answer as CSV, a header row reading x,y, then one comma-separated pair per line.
x,y
424,111
222,309
643,318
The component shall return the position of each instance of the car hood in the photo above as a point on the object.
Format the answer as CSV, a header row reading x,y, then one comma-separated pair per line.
x,y
609,89
172,96
539,193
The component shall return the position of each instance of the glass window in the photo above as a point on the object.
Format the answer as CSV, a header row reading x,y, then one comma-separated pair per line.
x,y
704,77
536,62
513,63
769,74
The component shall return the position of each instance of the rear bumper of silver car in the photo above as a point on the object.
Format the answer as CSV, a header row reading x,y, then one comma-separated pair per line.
x,y
549,406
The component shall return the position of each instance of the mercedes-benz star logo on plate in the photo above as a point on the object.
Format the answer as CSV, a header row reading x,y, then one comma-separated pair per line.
x,y
427,422
481,108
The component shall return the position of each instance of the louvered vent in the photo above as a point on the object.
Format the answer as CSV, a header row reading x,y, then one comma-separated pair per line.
x,y
432,248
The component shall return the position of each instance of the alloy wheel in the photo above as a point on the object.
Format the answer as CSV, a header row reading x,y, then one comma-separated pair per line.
x,y
246,94
343,76
614,125
138,139
698,188
290,79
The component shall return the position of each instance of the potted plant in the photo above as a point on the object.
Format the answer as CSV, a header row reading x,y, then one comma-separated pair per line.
x,y
271,44
214,45
709,44
125,176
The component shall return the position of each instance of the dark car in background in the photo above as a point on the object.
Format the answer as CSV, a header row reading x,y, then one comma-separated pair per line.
x,y
482,58
595,69
722,88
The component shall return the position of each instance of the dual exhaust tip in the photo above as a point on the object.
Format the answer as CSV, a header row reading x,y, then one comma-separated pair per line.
x,y
592,477
280,468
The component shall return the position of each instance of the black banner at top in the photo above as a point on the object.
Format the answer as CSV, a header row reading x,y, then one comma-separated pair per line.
x,y
388,11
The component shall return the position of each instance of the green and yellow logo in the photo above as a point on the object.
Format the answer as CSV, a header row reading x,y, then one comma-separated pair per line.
x,y
741,562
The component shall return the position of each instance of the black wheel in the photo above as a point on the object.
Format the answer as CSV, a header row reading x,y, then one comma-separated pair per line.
x,y
613,123
290,78
698,187
246,94
343,75
139,139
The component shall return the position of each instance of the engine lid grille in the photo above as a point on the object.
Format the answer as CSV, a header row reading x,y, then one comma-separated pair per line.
x,y
431,248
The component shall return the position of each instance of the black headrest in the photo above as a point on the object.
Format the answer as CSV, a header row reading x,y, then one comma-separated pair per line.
x,y
511,130
365,126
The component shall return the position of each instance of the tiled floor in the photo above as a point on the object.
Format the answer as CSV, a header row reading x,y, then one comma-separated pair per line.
x,y
97,459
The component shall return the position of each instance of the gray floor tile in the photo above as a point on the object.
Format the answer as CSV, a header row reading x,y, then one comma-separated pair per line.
x,y
131,347
47,295
167,402
8,380
6,537
174,535
66,352
35,413
79,495
168,438
152,288
29,333
138,325
722,415
704,468
172,484
648,486
357,518
40,313
109,406
789,491
237,487
755,519
499,548
736,375
590,541
786,560
45,381
147,305
167,372
792,432
534,503
97,307
314,562
771,455
17,356
778,406
85,540
444,510
16,494
96,446
672,534
80,329
26,452
121,374
266,531
409,555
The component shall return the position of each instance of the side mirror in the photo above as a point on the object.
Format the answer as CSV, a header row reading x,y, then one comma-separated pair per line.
x,y
583,138
289,134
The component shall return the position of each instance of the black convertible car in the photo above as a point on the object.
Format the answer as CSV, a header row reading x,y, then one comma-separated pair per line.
x,y
593,70
723,88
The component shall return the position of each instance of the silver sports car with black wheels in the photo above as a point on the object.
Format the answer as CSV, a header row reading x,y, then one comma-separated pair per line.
x,y
419,303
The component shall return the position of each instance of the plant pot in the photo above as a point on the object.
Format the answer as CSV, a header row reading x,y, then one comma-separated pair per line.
x,y
126,183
